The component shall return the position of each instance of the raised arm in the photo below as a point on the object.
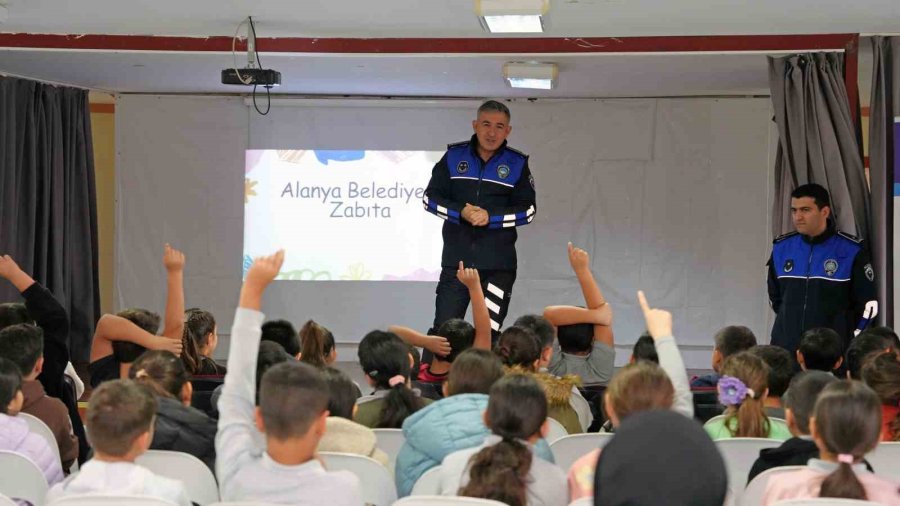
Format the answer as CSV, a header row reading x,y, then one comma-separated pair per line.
x,y
115,328
659,325
470,278
597,311
173,260
435,344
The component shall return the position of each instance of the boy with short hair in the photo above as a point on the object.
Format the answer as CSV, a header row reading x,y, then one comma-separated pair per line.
x,y
821,350
728,341
282,332
120,418
781,370
292,413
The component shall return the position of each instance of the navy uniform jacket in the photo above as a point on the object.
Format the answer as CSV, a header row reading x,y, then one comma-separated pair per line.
x,y
503,186
824,281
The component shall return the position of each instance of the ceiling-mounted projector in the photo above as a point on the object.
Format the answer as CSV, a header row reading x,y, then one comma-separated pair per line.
x,y
251,75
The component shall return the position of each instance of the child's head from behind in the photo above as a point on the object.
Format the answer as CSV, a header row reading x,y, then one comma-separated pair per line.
x,y
641,386
317,345
120,416
13,313
270,354
576,338
846,425
473,372
863,345
459,333
342,393
800,399
200,338
283,333
164,373
820,349
881,371
644,349
23,345
742,390
780,364
386,361
543,329
143,318
730,340
518,347
11,397
293,402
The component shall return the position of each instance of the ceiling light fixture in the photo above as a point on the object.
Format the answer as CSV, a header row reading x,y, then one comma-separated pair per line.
x,y
512,16
535,76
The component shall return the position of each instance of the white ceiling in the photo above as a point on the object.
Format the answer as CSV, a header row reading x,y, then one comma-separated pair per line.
x,y
582,75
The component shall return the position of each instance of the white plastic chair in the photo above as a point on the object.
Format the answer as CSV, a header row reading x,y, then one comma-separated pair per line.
x,y
390,441
243,503
6,501
198,480
739,454
117,500
582,409
37,426
755,490
824,502
584,501
555,430
375,482
428,484
20,478
443,500
566,450
885,460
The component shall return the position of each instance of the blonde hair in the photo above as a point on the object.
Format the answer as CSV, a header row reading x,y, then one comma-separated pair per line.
x,y
641,386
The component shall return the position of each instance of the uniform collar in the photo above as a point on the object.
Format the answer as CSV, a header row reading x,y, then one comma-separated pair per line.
x,y
819,239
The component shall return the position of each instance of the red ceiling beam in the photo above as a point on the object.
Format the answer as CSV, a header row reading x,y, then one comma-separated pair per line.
x,y
519,45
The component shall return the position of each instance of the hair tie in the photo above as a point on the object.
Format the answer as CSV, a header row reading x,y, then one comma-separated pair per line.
x,y
141,374
845,458
733,391
397,380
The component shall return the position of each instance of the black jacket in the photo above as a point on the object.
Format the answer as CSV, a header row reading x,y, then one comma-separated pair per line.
x,y
503,186
793,452
184,429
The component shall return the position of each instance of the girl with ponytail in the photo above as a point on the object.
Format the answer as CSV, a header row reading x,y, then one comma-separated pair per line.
x,y
846,425
743,389
386,362
317,345
504,468
200,340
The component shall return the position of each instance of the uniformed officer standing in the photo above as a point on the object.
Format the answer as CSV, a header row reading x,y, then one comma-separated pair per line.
x,y
818,276
484,190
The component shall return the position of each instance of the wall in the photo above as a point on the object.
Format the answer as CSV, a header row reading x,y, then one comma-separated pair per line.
x,y
103,130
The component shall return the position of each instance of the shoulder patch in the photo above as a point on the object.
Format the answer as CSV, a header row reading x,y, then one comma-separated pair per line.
x,y
784,236
516,151
457,144
847,236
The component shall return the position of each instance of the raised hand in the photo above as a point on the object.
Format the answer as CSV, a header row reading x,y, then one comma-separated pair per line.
x,y
167,344
659,321
8,267
579,258
468,277
264,269
173,259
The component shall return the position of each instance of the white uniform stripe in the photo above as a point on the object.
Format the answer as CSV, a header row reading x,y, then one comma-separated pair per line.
x,y
495,325
508,217
813,277
494,290
507,224
442,209
492,306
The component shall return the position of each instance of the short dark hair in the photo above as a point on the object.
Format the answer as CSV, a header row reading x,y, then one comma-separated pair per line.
x,y
815,191
474,372
270,354
881,371
23,344
494,106
13,313
10,382
781,367
518,346
342,393
861,346
283,333
821,349
888,333
733,339
575,338
143,318
459,333
645,349
119,411
126,352
802,393
539,325
292,395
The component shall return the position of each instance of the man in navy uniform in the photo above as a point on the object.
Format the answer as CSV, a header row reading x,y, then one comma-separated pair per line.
x,y
484,190
818,276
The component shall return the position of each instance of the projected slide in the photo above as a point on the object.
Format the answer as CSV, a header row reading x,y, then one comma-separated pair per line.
x,y
342,215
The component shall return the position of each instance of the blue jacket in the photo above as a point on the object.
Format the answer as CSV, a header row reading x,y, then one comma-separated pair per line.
x,y
448,425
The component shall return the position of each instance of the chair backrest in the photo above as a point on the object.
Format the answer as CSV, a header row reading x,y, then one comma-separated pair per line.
x,y
755,490
117,500
828,501
37,426
566,450
885,460
429,483
739,454
714,419
443,500
198,480
20,478
584,501
242,503
390,441
6,501
555,430
582,408
375,482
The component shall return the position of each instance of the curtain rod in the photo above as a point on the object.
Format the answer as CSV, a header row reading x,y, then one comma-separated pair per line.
x,y
54,83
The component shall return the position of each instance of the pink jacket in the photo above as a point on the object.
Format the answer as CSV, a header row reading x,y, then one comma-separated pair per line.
x,y
15,436
805,484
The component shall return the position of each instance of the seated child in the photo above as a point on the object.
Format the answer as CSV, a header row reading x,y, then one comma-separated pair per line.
x,y
269,354
120,420
728,341
179,427
386,362
292,414
742,389
866,343
283,333
781,370
644,349
882,373
586,347
504,468
820,349
453,336
15,435
846,425
317,345
342,434
545,332
200,341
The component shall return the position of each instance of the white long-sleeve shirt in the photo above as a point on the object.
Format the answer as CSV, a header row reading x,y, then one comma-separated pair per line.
x,y
671,362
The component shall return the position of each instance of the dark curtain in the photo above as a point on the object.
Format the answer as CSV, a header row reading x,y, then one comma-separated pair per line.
x,y
817,140
48,213
883,128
